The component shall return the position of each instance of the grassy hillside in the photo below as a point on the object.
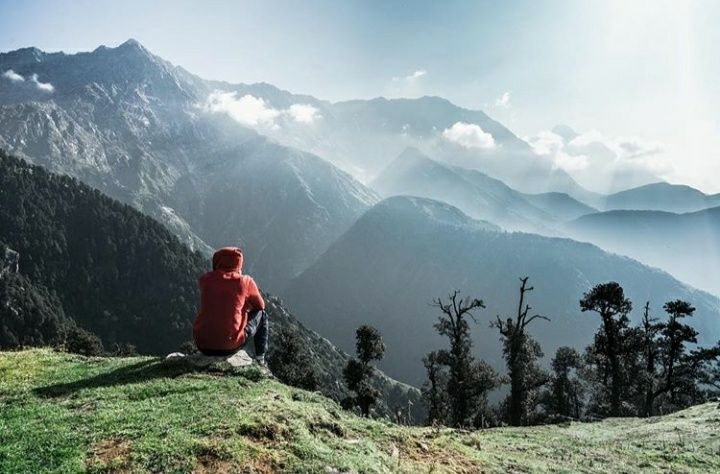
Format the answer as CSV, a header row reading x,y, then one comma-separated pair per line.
x,y
63,413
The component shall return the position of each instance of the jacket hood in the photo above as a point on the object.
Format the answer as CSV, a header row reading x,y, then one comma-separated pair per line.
x,y
228,259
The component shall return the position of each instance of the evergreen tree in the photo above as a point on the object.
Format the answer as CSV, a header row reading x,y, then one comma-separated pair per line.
x,y
609,302
29,314
290,362
358,373
566,395
434,390
678,380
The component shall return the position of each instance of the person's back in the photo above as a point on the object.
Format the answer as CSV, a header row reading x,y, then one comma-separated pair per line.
x,y
231,308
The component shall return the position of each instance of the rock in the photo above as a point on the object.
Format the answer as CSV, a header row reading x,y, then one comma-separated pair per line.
x,y
239,360
334,470
9,262
394,452
174,355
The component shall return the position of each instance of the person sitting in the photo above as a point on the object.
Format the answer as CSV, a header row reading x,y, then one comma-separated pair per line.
x,y
232,310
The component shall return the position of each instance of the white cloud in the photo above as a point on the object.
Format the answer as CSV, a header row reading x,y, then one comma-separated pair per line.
x,y
254,112
546,143
304,113
412,77
503,101
13,76
469,135
43,86
603,163
248,110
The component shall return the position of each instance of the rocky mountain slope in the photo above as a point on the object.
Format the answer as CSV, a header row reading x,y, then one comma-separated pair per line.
x,y
69,414
142,131
406,251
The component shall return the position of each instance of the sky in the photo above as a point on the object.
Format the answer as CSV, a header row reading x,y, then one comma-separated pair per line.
x,y
636,79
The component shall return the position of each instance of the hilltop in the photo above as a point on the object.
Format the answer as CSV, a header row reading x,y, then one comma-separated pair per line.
x,y
65,413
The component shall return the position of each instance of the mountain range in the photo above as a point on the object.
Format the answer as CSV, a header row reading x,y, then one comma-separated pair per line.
x,y
299,183
133,126
407,251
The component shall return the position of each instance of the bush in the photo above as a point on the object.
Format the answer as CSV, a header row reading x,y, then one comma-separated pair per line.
x,y
80,341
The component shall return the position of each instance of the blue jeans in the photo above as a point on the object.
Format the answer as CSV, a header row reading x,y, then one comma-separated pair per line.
x,y
258,328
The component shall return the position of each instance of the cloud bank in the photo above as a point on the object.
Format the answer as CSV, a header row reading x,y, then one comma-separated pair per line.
x,y
469,135
602,163
254,112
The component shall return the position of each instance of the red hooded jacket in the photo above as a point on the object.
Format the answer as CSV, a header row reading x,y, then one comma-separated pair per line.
x,y
226,297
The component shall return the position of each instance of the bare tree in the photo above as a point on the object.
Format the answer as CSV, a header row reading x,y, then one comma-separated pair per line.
x,y
468,380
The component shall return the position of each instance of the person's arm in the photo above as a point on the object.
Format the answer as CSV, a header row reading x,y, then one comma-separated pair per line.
x,y
254,299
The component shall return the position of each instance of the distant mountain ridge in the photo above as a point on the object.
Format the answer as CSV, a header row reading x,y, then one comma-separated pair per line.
x,y
661,196
482,197
687,245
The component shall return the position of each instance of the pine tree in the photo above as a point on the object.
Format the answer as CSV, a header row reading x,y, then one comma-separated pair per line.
x,y
608,300
565,396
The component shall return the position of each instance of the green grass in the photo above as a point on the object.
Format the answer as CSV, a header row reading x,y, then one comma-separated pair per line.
x,y
64,413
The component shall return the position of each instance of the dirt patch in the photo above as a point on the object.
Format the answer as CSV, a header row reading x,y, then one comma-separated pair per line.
x,y
263,432
208,463
331,427
424,453
112,455
263,463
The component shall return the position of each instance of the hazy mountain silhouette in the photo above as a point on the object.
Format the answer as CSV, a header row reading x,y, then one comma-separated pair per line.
x,y
478,195
661,197
686,245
